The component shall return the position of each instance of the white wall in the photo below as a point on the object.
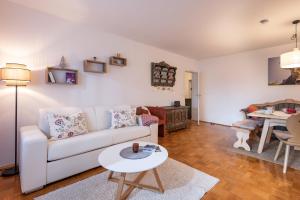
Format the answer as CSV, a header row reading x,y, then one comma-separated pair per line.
x,y
230,83
39,40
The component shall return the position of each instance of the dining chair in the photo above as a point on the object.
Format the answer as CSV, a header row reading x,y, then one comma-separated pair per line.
x,y
289,138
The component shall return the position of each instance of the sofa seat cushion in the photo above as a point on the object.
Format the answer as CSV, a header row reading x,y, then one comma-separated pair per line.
x,y
59,149
128,133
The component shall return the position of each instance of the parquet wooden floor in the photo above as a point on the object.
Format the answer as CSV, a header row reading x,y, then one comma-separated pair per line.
x,y
207,148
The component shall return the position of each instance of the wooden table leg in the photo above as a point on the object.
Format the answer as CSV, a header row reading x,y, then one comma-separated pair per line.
x,y
110,174
269,135
158,181
286,158
131,187
263,136
120,186
120,195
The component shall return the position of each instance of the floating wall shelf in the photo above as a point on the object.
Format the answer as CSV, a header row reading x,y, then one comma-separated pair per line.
x,y
55,75
94,66
117,61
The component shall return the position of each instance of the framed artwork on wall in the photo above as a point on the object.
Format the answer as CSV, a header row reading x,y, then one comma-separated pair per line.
x,y
163,75
280,76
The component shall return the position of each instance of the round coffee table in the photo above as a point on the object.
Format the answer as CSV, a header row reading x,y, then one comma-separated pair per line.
x,y
110,159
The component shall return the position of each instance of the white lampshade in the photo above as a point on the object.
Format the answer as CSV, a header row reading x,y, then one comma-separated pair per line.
x,y
290,59
15,74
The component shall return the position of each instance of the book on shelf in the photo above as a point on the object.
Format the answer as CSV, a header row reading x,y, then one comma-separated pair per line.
x,y
51,77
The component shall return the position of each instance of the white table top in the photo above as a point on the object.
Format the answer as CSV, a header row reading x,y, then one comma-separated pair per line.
x,y
275,115
110,159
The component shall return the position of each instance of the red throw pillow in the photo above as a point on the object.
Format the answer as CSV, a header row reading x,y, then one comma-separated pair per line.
x,y
147,120
291,111
252,108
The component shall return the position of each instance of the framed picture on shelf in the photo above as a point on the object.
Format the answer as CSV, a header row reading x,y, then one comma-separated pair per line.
x,y
70,78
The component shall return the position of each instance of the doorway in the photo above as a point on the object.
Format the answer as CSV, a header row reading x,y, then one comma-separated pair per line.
x,y
191,93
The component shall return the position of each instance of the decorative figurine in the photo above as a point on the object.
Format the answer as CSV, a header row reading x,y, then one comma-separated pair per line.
x,y
62,63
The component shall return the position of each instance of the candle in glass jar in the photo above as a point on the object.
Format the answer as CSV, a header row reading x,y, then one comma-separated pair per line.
x,y
135,147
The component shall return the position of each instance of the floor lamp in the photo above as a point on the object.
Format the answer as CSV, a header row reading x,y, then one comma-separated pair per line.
x,y
14,74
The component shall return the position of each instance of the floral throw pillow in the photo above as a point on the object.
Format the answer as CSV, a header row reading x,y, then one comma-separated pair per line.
x,y
123,118
65,126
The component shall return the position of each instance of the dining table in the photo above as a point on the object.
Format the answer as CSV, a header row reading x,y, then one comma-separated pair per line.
x,y
276,118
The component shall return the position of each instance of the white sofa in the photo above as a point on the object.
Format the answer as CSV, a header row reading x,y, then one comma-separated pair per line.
x,y
43,161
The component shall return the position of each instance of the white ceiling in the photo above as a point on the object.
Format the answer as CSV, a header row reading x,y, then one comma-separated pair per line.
x,y
193,28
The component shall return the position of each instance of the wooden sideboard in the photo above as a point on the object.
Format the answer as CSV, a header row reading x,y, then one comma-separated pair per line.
x,y
176,117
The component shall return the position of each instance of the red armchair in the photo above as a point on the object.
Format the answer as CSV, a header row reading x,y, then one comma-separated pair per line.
x,y
161,114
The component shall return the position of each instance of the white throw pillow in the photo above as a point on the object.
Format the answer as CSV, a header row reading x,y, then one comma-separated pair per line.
x,y
123,117
65,126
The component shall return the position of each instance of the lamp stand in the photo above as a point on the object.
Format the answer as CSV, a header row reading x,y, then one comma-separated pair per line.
x,y
14,170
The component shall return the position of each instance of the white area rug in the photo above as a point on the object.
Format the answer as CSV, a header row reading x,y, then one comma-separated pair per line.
x,y
181,182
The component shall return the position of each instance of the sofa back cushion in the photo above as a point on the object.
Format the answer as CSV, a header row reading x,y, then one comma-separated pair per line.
x,y
98,117
103,115
43,118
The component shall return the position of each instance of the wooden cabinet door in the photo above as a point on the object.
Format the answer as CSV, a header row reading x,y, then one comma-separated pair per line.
x,y
177,116
184,115
170,119
180,118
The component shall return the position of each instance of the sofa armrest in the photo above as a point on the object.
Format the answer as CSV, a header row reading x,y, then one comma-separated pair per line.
x,y
154,133
33,158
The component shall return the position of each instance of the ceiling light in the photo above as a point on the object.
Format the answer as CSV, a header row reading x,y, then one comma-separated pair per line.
x,y
264,21
291,59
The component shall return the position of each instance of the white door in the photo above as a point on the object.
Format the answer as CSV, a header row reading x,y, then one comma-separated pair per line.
x,y
195,97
